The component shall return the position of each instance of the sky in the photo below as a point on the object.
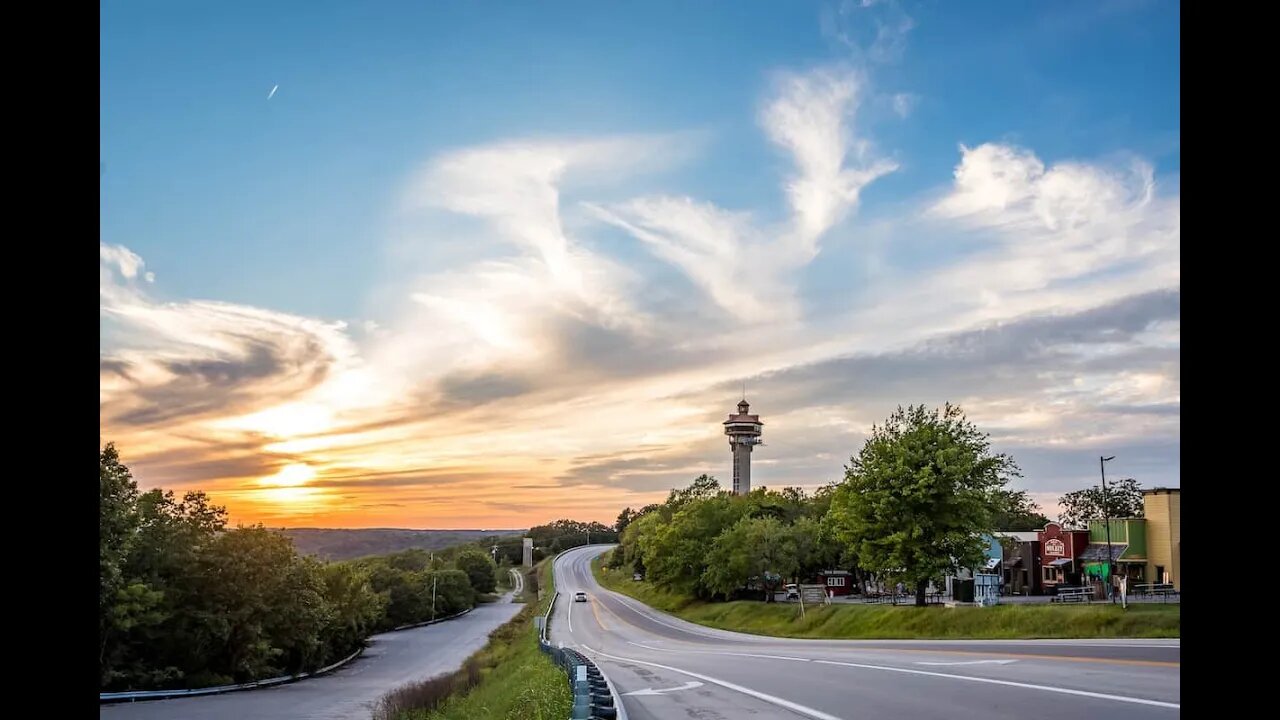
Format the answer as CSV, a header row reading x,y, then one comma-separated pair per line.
x,y
479,264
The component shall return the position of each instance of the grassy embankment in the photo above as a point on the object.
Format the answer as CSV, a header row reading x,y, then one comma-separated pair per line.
x,y
508,679
888,622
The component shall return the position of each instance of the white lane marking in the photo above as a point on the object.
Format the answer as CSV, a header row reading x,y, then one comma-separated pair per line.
x,y
970,662
650,691
772,700
569,612
719,652
1010,683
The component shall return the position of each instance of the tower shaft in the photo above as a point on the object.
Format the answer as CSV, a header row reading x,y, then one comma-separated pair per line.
x,y
744,431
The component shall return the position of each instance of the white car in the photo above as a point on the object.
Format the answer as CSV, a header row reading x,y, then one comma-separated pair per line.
x,y
580,597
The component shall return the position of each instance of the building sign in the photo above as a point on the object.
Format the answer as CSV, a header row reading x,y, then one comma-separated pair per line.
x,y
813,594
1055,546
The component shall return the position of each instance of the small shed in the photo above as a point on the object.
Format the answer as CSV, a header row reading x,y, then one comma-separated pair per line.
x,y
837,582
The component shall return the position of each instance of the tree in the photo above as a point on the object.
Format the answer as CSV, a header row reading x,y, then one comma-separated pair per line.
x,y
704,486
624,519
1124,500
479,568
676,555
356,607
916,499
760,548
117,520
1015,511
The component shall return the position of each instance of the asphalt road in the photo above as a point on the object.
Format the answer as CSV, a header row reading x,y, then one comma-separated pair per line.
x,y
350,692
682,670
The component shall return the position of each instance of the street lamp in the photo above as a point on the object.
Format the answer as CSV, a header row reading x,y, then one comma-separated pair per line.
x,y
1106,518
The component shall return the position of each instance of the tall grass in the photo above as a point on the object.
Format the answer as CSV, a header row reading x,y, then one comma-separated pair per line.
x,y
846,621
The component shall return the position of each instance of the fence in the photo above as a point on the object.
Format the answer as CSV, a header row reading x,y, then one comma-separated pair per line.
x,y
593,695
131,696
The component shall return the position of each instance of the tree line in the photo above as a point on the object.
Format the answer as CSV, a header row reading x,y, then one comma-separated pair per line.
x,y
186,602
912,508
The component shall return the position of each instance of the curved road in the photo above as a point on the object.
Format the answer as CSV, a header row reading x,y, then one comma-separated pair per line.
x,y
667,668
350,692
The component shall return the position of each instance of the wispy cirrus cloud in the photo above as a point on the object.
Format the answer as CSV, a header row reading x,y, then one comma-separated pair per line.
x,y
745,267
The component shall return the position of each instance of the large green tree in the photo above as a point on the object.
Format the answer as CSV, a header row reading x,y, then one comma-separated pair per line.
x,y
675,556
759,549
1123,500
479,568
916,499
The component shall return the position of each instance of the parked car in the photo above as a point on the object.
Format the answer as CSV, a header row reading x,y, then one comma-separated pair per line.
x,y
580,597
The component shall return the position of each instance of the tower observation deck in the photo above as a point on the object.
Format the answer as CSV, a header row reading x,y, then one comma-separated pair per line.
x,y
744,431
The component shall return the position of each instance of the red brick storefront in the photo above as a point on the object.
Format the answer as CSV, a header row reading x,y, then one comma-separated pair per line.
x,y
1059,553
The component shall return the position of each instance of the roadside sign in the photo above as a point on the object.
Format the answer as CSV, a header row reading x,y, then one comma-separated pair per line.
x,y
814,594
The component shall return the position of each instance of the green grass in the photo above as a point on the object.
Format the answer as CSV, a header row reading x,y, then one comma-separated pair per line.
x,y
510,678
841,621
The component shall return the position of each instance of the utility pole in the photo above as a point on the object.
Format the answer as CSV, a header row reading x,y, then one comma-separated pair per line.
x,y
433,595
1106,518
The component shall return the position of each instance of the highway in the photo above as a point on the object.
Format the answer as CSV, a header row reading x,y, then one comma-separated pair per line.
x,y
350,692
667,668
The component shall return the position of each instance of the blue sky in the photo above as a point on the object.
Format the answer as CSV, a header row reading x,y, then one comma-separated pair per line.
x,y
334,201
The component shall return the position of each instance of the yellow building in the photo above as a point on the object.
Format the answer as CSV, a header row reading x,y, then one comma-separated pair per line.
x,y
1163,510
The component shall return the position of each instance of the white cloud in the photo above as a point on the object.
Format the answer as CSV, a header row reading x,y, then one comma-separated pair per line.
x,y
811,116
746,269
121,259
494,363
173,362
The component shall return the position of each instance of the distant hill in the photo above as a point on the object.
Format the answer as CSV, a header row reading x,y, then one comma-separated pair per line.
x,y
345,544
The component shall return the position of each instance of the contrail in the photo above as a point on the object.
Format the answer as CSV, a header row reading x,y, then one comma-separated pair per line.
x,y
273,92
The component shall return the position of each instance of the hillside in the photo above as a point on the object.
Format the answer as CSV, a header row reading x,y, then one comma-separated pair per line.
x,y
345,544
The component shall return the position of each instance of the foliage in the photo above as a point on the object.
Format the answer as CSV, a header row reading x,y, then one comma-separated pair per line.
x,y
1016,512
917,497
185,602
709,543
624,519
561,535
479,569
755,549
857,621
1123,500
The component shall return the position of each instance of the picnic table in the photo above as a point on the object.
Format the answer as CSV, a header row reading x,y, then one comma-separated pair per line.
x,y
1164,590
1073,594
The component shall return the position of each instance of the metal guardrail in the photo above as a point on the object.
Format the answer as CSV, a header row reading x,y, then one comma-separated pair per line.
x,y
432,622
133,696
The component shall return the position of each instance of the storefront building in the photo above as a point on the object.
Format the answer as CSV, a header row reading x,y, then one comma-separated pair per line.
x,y
1163,510
1128,551
1021,563
1060,551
